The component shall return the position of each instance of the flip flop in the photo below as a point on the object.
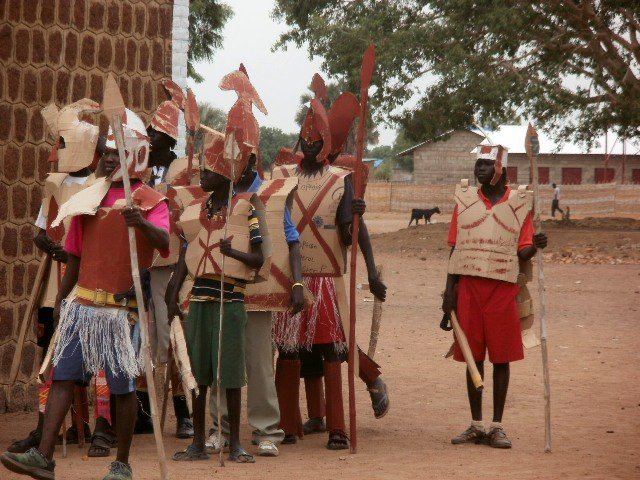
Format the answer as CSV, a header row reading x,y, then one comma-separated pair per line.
x,y
240,455
190,454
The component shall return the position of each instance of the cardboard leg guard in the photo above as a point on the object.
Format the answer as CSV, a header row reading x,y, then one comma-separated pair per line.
x,y
335,407
368,370
314,390
288,388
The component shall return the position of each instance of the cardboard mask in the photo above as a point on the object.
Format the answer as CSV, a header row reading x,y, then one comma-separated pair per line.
x,y
76,140
498,154
136,145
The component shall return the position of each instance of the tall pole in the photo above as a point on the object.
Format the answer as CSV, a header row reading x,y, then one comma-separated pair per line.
x,y
532,145
365,81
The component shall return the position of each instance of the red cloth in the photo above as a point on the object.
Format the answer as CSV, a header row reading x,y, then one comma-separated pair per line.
x,y
158,216
328,327
526,232
488,315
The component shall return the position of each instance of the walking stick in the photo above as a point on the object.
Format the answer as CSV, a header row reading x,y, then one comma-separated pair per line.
x,y
376,319
113,107
26,319
476,378
230,152
532,145
365,80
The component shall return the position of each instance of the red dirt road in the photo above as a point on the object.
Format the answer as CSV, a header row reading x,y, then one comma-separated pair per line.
x,y
593,316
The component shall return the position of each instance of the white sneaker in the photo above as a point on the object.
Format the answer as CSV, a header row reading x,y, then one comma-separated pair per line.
x,y
211,445
266,448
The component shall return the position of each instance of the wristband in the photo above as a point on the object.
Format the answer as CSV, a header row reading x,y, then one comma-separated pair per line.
x,y
297,284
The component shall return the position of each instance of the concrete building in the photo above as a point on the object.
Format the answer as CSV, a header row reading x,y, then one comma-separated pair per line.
x,y
451,157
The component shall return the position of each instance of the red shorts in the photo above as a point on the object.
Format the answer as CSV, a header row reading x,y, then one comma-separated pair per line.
x,y
488,314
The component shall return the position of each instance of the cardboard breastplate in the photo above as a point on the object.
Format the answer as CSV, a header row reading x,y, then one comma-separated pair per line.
x,y
203,235
275,293
314,211
105,263
487,239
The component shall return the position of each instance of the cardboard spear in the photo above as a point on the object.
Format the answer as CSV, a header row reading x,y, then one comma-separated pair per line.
x,y
532,146
114,109
366,73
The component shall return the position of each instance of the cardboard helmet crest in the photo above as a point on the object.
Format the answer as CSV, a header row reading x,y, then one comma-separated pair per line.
x,y
498,154
76,139
220,151
136,144
165,118
316,127
341,116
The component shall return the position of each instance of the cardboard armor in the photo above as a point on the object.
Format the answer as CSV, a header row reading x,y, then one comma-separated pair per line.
x,y
487,241
76,140
314,212
275,293
56,192
105,265
203,236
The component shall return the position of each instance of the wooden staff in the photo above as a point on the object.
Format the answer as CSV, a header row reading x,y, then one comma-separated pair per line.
x,y
113,106
376,319
230,152
192,119
26,319
476,378
532,146
365,81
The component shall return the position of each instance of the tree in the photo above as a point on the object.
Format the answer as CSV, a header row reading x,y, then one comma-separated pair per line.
x,y
212,117
207,18
569,65
272,139
390,153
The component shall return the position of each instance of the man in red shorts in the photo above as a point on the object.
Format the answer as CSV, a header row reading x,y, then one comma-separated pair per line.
x,y
491,232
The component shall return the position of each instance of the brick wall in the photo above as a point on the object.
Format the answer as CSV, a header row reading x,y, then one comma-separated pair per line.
x,y
605,199
59,51
448,161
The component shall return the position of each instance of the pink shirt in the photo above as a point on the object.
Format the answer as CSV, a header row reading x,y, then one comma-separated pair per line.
x,y
158,216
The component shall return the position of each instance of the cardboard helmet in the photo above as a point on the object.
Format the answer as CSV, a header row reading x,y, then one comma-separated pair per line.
x,y
343,112
136,144
223,154
76,139
316,127
498,154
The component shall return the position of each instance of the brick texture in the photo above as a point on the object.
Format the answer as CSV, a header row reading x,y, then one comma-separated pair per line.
x,y
59,51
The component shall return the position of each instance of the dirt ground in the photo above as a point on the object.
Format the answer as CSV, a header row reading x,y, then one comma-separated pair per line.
x,y
593,342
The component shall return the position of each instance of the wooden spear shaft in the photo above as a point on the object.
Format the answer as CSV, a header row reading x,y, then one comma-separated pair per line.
x,y
543,320
142,314
221,329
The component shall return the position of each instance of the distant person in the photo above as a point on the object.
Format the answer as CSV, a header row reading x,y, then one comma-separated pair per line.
x,y
555,203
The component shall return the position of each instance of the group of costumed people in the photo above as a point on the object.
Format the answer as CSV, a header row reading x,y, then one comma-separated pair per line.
x,y
212,234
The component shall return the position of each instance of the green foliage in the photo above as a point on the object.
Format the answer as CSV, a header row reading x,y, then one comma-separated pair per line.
x,y
271,141
385,172
569,65
207,18
212,117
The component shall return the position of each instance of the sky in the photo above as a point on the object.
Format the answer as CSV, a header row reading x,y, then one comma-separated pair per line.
x,y
280,77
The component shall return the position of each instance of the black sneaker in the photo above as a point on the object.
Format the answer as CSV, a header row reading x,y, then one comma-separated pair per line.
x,y
32,463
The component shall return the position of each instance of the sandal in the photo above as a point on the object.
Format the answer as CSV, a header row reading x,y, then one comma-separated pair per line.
x,y
289,440
338,441
192,453
379,397
240,455
266,448
72,435
101,444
